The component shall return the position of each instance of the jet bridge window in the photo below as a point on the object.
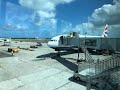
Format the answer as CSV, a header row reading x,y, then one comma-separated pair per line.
x,y
90,42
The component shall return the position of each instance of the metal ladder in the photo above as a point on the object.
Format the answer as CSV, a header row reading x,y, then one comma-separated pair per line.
x,y
88,57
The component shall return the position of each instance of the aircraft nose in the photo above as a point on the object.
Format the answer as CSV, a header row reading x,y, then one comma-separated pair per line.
x,y
48,43
52,44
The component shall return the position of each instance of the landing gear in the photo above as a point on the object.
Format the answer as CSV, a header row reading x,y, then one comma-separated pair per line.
x,y
58,54
77,78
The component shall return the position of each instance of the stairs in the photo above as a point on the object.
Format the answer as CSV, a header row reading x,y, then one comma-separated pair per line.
x,y
88,57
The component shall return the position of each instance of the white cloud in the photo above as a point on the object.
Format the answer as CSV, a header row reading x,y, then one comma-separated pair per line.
x,y
107,14
65,27
43,14
85,27
46,5
53,21
44,8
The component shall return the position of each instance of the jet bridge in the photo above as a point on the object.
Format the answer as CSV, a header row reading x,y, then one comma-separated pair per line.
x,y
99,44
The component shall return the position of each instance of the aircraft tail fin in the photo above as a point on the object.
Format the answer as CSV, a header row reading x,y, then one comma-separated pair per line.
x,y
104,34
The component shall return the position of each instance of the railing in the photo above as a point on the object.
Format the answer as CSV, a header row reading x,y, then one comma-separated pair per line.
x,y
109,64
106,68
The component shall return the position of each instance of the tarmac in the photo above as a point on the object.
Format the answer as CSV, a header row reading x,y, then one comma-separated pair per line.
x,y
38,68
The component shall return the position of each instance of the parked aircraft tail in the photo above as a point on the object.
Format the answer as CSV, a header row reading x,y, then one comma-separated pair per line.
x,y
104,34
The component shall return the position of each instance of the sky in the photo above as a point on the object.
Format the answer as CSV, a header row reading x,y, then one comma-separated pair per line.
x,y
48,18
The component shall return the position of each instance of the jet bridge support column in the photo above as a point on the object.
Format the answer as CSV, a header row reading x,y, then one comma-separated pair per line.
x,y
88,84
2,11
100,83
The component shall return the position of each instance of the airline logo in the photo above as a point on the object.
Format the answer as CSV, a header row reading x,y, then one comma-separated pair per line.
x,y
104,35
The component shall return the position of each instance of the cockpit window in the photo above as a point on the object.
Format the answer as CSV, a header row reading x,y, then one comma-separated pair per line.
x,y
53,40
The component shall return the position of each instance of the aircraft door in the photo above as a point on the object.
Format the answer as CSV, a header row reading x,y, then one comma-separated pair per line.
x,y
63,40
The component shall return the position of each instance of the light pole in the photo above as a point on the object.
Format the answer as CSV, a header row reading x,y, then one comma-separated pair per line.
x,y
85,45
78,47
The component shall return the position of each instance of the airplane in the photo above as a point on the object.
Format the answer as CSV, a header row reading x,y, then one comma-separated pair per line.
x,y
6,41
58,43
2,39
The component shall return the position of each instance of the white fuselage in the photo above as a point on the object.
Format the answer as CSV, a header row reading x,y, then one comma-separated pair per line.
x,y
2,39
73,39
56,41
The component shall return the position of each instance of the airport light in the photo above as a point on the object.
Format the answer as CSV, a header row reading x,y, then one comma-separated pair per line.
x,y
79,49
85,45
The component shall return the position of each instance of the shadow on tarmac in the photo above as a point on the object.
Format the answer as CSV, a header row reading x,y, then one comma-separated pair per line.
x,y
68,64
95,87
4,54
